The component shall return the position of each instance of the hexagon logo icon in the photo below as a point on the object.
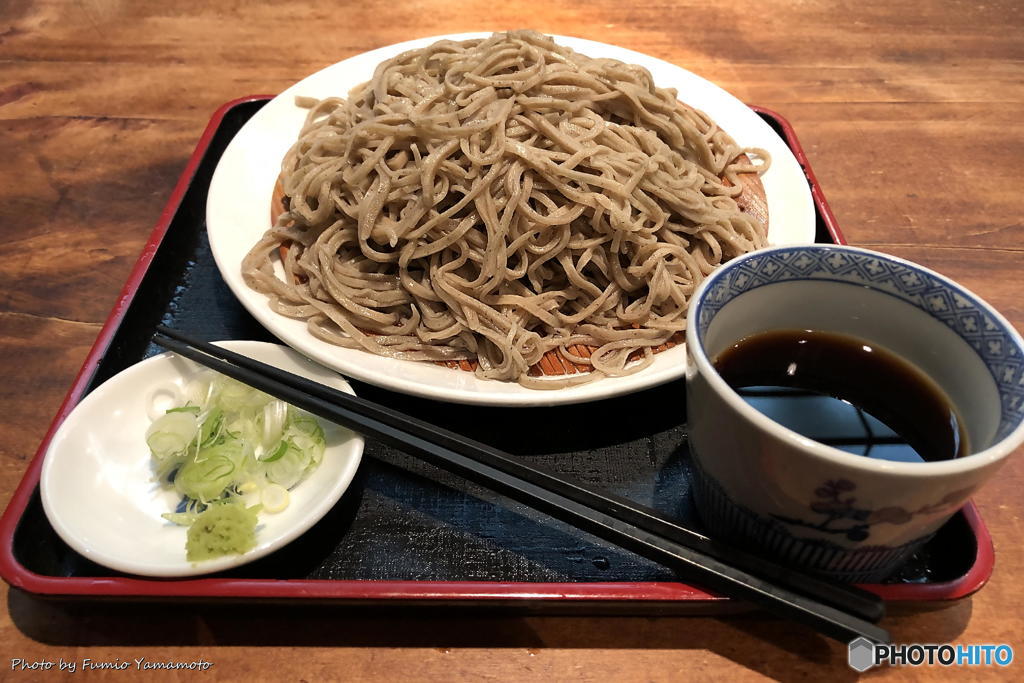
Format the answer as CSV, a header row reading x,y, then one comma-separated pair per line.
x,y
861,656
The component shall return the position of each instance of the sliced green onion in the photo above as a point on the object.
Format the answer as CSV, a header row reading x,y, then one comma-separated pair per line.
x,y
274,498
278,453
185,409
275,415
181,518
171,434
205,480
227,447
212,427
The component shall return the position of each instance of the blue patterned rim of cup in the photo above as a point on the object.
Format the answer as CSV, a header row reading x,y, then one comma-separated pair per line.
x,y
987,332
996,343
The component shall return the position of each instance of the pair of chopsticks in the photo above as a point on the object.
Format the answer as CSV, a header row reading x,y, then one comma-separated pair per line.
x,y
839,611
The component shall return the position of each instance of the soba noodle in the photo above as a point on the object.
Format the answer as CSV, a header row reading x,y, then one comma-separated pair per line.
x,y
495,199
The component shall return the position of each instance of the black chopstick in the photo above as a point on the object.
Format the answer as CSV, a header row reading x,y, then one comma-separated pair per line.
x,y
610,518
851,599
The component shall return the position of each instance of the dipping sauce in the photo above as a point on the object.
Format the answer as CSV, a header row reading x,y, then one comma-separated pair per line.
x,y
845,392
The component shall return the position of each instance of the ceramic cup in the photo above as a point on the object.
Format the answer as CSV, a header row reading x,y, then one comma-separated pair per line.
x,y
811,505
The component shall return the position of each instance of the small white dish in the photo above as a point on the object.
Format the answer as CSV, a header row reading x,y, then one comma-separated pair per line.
x,y
100,494
238,213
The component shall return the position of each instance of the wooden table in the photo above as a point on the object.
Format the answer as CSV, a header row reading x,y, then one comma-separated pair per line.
x,y
910,114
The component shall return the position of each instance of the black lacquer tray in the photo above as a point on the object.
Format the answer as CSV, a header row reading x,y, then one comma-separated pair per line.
x,y
406,532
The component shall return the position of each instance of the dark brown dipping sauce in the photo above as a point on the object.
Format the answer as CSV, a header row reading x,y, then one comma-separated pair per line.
x,y
807,379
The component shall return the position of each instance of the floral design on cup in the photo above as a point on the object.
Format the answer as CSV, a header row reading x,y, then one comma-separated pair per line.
x,y
836,504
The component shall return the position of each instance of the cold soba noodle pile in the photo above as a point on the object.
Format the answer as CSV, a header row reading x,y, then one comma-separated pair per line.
x,y
497,199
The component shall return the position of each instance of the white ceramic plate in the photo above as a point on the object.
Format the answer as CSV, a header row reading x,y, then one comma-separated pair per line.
x,y
98,488
238,210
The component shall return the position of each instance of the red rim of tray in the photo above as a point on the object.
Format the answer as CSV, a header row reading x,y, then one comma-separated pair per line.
x,y
20,577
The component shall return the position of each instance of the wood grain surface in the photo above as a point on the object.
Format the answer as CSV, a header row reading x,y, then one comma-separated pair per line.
x,y
909,112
